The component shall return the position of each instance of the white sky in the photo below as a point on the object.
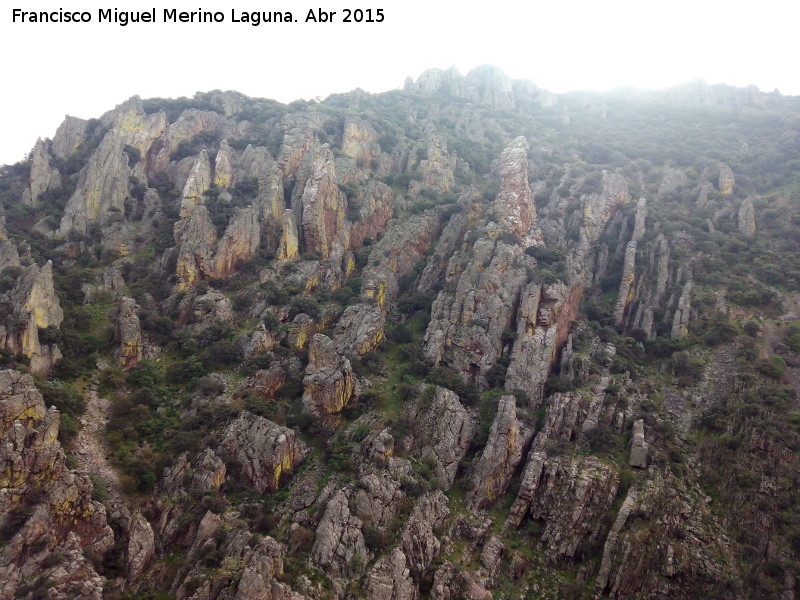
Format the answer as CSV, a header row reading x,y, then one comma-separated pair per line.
x,y
86,69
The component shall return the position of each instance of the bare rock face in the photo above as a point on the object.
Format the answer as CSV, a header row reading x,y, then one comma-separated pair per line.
x,y
266,382
466,327
451,240
626,288
360,140
190,123
240,243
211,306
223,165
390,579
137,129
680,322
726,181
339,540
375,203
514,204
507,440
685,541
208,472
329,382
42,500
403,244
289,244
9,257
195,236
437,169
442,431
418,542
129,333
747,218
639,220
43,175
257,163
597,210
638,457
490,85
261,340
571,496
68,137
323,208
141,546
377,498
491,556
265,450
545,313
297,141
359,330
102,186
197,183
36,305
34,293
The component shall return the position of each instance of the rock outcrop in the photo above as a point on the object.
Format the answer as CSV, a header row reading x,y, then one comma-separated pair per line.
x,y
323,207
339,547
329,382
360,141
36,306
129,333
726,181
442,430
638,457
570,496
288,247
504,449
747,218
197,183
239,244
466,327
359,330
390,579
51,525
375,204
265,450
680,322
102,186
545,312
514,203
9,256
43,176
223,165
68,137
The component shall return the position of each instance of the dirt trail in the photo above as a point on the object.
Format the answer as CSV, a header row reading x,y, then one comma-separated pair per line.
x,y
89,447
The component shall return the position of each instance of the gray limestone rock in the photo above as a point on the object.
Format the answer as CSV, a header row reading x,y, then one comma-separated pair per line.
x,y
141,546
507,440
359,330
339,540
514,205
68,137
128,333
390,579
747,218
442,431
265,450
102,186
638,457
329,382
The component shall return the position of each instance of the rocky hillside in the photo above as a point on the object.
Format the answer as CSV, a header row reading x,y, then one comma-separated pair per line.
x,y
470,339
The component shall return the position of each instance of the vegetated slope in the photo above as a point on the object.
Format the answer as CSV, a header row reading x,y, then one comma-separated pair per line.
x,y
466,339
